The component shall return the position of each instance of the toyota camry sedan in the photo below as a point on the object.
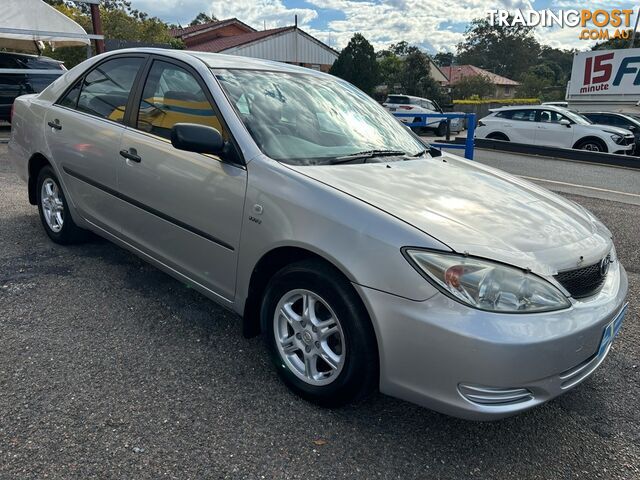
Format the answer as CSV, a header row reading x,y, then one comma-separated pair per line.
x,y
367,260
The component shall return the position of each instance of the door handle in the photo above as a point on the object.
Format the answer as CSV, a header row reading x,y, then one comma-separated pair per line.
x,y
131,154
55,124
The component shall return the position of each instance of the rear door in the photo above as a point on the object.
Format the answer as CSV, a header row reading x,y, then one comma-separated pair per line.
x,y
518,125
550,132
83,132
182,208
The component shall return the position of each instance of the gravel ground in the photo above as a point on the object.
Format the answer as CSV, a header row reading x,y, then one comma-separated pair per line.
x,y
111,369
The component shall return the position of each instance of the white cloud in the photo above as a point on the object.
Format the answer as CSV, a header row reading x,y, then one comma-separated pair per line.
x,y
427,23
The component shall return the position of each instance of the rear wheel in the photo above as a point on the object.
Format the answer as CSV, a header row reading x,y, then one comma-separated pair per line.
x,y
592,145
319,334
54,211
441,131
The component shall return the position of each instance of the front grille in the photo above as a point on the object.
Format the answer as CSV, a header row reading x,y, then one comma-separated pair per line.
x,y
585,281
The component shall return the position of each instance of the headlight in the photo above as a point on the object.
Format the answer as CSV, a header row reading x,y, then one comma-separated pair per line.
x,y
487,285
616,138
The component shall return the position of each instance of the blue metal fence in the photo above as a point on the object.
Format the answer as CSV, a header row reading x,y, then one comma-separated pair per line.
x,y
471,127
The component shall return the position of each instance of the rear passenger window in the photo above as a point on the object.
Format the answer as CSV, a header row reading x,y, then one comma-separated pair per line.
x,y
105,89
172,95
524,115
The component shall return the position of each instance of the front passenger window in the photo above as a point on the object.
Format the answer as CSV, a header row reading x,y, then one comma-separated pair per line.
x,y
172,95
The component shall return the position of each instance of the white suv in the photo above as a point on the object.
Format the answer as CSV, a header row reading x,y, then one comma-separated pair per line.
x,y
553,127
408,104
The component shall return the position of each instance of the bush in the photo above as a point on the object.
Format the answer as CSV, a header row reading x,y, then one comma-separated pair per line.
x,y
504,101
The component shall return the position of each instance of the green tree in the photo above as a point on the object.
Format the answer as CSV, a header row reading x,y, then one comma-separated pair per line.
x,y
507,51
473,86
618,43
536,82
444,59
357,64
119,21
203,18
390,67
416,79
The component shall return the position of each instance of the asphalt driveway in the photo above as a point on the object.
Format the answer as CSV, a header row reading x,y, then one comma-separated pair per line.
x,y
111,369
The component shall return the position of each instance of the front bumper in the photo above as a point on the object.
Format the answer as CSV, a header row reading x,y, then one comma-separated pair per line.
x,y
443,355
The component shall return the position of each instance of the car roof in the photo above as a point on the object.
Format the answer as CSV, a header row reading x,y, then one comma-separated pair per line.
x,y
408,96
225,61
209,60
600,112
529,107
621,114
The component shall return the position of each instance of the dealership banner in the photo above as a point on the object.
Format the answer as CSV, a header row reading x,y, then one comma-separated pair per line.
x,y
606,72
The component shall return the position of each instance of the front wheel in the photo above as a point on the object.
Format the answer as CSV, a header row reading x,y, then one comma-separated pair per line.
x,y
592,145
54,211
319,334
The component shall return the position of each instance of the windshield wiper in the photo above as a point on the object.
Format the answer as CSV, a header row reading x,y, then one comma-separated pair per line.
x,y
421,153
366,155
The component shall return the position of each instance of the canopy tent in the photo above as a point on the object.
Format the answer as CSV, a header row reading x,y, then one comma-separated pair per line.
x,y
25,23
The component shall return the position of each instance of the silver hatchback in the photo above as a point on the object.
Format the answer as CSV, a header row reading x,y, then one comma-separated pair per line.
x,y
366,259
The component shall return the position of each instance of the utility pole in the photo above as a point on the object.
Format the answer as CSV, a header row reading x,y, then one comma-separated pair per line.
x,y
633,34
97,27
295,31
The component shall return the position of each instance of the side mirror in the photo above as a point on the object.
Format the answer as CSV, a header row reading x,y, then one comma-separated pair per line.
x,y
565,122
632,128
197,138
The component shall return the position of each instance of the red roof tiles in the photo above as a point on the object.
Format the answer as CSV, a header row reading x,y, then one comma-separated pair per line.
x,y
456,72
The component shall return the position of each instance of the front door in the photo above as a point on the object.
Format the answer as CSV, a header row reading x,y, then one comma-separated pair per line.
x,y
550,132
83,132
183,208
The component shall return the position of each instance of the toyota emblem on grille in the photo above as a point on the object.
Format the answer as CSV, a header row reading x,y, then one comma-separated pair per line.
x,y
604,266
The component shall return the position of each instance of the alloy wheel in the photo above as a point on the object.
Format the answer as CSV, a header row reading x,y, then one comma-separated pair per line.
x,y
592,147
52,205
309,337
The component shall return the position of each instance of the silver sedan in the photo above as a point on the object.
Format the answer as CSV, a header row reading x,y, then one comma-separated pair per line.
x,y
366,259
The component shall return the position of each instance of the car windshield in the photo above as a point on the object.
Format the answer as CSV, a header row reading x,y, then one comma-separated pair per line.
x,y
309,120
576,117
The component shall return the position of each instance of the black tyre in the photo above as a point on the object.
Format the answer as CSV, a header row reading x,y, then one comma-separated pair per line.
x,y
319,334
498,136
441,131
592,145
54,211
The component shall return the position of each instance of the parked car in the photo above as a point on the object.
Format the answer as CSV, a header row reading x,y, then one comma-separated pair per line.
x,y
553,127
622,120
557,104
26,76
292,198
408,104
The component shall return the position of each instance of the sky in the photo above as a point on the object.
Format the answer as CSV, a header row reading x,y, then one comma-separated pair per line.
x,y
434,25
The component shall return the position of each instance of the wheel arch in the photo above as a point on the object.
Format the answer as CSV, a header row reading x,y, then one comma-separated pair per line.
x,y
36,163
496,134
268,265
591,138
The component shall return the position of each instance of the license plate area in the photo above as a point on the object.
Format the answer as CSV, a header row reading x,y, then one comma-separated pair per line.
x,y
610,332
